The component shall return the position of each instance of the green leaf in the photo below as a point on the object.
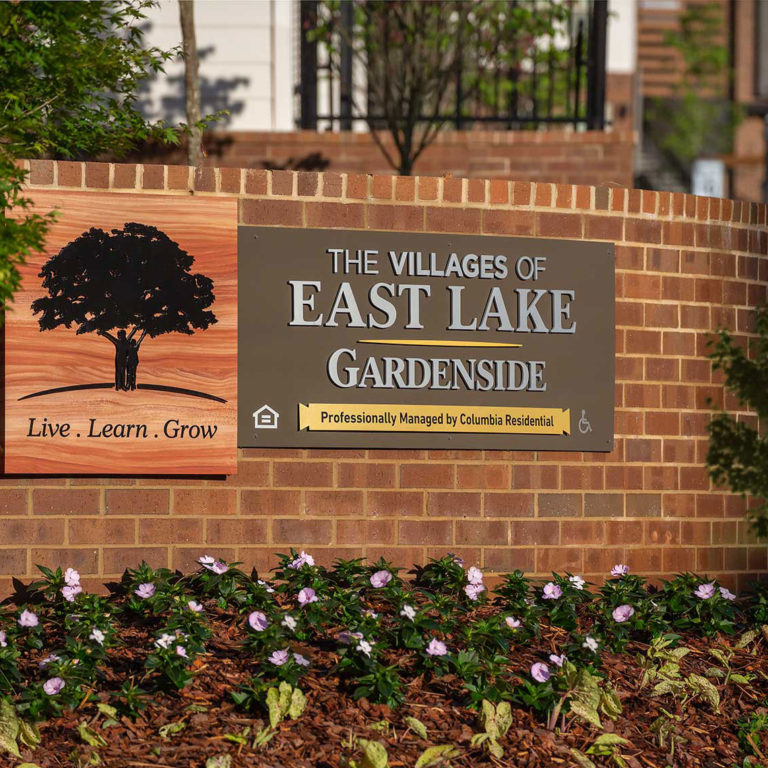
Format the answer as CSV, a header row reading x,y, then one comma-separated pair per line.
x,y
219,761
105,709
89,736
263,737
503,717
29,735
374,754
434,755
495,748
170,729
582,759
610,704
741,679
705,689
747,638
28,765
9,728
297,705
416,726
715,672
609,740
585,712
273,705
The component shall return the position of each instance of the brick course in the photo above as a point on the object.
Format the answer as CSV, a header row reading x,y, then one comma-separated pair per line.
x,y
683,265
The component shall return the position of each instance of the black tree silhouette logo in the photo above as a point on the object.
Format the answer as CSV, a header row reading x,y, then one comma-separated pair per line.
x,y
125,285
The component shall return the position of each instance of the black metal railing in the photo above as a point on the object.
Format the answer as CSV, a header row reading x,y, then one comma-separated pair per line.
x,y
557,83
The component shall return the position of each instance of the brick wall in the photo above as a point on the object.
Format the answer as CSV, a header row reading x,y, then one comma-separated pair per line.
x,y
560,156
684,265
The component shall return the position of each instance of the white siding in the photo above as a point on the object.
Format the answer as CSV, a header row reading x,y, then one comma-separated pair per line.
x,y
246,62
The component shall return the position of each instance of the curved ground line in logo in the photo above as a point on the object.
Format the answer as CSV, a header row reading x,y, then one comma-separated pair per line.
x,y
155,387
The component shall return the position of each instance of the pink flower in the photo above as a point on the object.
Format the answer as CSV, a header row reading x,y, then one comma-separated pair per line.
x,y
474,575
278,658
71,577
512,622
28,619
218,567
145,591
473,591
307,596
623,613
43,663
181,651
258,621
195,606
727,594
540,672
53,686
302,560
3,639
70,593
300,660
551,591
619,570
558,660
436,648
705,591
381,579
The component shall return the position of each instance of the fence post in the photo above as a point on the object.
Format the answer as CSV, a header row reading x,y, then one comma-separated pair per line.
x,y
598,30
345,73
308,66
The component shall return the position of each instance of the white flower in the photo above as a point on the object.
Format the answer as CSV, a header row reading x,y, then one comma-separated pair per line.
x,y
97,635
409,612
193,605
474,575
206,560
590,643
289,621
364,647
71,577
43,663
3,639
69,593
512,622
181,651
726,593
473,590
265,584
165,640
577,582
301,560
300,660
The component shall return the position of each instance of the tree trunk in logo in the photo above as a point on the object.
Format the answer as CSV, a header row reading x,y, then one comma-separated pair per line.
x,y
133,278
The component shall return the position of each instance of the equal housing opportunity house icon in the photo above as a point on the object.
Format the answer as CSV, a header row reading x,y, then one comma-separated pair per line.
x,y
265,418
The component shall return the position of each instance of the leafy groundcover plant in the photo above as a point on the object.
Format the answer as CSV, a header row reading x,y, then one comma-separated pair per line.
x,y
363,665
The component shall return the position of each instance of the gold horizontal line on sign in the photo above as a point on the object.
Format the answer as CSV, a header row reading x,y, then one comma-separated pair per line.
x,y
436,343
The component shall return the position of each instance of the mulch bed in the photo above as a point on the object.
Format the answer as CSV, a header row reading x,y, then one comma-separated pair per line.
x,y
322,736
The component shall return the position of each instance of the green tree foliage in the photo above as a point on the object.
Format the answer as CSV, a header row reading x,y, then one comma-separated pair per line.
x,y
69,74
738,450
414,52
698,120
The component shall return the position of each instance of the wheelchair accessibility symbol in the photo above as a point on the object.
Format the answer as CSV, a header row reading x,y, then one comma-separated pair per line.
x,y
584,425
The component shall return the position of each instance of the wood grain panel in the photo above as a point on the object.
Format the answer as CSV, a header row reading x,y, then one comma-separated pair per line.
x,y
205,361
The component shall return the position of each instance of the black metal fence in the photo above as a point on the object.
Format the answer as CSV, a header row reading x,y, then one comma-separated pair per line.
x,y
562,82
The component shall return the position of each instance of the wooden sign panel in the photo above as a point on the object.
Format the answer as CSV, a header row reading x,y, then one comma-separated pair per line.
x,y
121,346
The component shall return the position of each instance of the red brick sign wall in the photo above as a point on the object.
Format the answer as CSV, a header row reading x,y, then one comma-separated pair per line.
x,y
684,265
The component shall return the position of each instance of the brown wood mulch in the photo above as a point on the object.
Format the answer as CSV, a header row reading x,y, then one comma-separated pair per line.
x,y
322,736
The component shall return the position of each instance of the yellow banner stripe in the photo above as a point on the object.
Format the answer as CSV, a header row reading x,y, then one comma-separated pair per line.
x,y
376,417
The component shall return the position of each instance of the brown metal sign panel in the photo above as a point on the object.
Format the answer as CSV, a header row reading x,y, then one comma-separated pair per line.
x,y
121,344
359,339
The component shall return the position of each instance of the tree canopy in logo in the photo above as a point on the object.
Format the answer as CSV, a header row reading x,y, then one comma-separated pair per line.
x,y
132,280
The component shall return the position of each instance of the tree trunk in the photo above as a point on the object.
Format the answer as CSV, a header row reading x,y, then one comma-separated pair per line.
x,y
191,80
